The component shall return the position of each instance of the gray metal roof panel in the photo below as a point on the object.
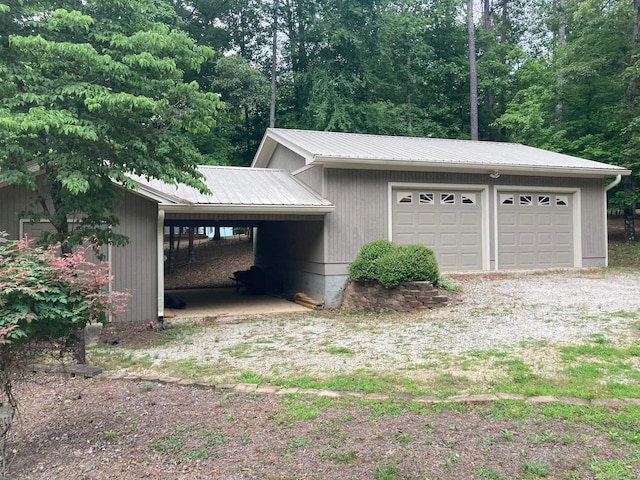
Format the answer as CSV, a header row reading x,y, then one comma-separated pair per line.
x,y
334,147
240,186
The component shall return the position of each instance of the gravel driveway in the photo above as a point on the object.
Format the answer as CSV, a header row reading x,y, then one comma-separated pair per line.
x,y
525,314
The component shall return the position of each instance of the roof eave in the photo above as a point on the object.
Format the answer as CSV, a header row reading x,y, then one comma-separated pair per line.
x,y
248,209
480,168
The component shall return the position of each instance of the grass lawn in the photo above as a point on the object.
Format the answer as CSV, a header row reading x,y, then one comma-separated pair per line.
x,y
146,429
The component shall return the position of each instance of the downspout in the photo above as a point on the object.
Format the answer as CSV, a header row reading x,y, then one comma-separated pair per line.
x,y
614,183
160,257
617,180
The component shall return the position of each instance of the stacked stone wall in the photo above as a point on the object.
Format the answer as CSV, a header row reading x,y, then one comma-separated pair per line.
x,y
406,297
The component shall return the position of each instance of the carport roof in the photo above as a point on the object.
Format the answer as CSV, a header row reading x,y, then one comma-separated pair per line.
x,y
238,190
351,150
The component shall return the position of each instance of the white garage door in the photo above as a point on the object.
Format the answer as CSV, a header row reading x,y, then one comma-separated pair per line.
x,y
535,230
447,221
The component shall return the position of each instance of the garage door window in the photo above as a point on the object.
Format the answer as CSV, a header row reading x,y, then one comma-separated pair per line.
x,y
506,199
526,200
562,201
404,197
448,198
544,200
468,198
426,198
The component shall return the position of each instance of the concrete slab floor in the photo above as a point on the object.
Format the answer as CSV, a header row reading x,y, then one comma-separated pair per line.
x,y
212,302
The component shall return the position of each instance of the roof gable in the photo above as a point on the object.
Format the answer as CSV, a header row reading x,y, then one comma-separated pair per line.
x,y
350,150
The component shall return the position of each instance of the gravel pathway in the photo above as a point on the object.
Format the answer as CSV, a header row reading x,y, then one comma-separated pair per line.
x,y
527,314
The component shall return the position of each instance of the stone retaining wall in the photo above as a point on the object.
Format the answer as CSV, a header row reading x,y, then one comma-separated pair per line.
x,y
407,297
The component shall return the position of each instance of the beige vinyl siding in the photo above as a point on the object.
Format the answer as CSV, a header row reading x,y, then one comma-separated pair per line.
x,y
361,200
135,265
313,177
285,159
12,199
362,203
594,218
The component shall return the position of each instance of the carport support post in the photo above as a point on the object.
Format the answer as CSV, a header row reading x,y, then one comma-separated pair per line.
x,y
160,242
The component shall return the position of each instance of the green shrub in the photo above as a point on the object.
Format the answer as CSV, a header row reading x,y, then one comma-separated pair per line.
x,y
390,264
364,266
407,263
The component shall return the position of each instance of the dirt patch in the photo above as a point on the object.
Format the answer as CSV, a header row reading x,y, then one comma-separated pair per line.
x,y
100,429
215,262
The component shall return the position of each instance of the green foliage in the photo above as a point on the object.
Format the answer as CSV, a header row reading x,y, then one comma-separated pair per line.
x,y
364,266
44,296
87,100
391,264
407,263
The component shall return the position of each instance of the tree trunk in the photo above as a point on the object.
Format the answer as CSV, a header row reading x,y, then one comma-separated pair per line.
x,y
79,347
274,69
192,257
486,14
629,183
560,43
409,117
629,213
473,76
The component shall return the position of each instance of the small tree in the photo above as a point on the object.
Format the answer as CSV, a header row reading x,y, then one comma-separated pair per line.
x,y
45,300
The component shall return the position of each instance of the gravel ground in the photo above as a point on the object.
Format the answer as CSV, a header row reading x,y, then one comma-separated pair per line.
x,y
103,429
527,314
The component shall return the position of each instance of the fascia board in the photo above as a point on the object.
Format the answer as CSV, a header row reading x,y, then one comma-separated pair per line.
x,y
482,168
149,193
265,151
249,209
268,145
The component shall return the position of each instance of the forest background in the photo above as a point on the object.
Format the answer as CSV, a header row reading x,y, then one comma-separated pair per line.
x,y
556,74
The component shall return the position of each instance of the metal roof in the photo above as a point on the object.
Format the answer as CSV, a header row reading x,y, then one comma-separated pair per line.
x,y
351,150
239,189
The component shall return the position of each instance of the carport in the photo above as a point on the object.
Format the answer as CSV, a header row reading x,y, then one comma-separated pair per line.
x,y
241,197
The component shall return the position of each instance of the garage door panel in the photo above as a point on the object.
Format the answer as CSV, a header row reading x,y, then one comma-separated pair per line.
x,y
448,261
426,219
448,239
546,258
507,239
545,220
450,227
526,239
527,259
469,261
423,239
545,239
448,219
469,219
404,238
508,219
564,259
404,219
526,220
469,239
538,234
